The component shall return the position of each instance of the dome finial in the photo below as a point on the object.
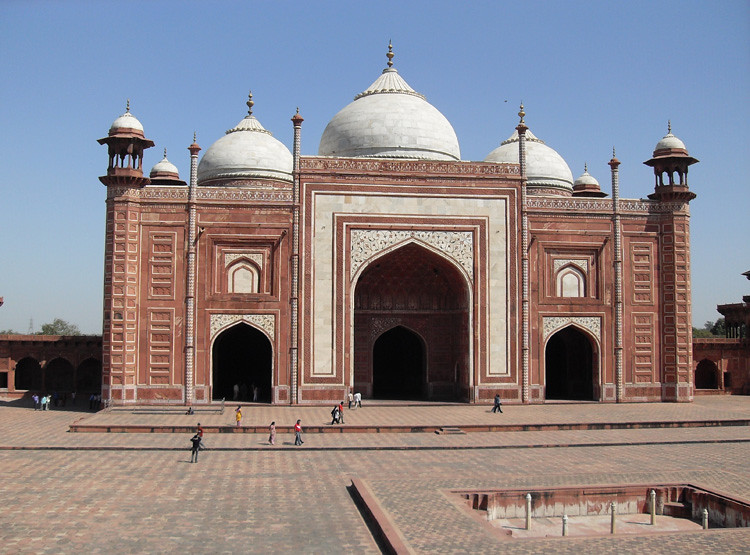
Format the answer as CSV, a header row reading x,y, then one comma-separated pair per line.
x,y
613,152
165,153
390,54
585,167
521,113
250,103
127,106
195,136
669,126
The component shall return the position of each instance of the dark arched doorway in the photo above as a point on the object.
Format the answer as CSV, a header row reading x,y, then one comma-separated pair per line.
x,y
242,356
58,376
706,375
398,365
569,366
423,299
89,376
29,374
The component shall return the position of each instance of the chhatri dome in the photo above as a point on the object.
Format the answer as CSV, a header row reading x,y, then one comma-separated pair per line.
x,y
390,120
247,151
165,172
587,185
545,168
126,123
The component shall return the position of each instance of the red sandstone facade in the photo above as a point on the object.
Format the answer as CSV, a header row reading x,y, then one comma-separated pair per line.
x,y
302,279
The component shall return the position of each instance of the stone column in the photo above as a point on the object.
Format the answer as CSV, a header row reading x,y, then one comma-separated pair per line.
x,y
294,296
614,163
191,271
521,128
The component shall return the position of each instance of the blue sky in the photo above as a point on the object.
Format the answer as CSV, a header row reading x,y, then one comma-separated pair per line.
x,y
592,75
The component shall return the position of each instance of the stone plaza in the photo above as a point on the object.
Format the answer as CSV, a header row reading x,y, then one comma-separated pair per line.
x,y
69,492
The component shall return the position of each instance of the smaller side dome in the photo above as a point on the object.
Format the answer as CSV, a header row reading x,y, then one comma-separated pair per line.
x,y
587,185
165,172
247,151
546,171
126,124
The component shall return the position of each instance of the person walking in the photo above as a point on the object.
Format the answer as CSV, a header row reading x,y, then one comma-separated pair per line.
x,y
238,415
341,412
199,431
272,433
358,400
298,433
498,406
35,398
351,400
196,446
335,414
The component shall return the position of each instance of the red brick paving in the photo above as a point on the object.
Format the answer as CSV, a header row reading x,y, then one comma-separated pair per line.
x,y
245,496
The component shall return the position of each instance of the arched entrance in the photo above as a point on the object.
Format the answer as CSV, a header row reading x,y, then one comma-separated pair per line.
x,y
29,374
411,327
58,376
398,365
89,376
569,366
243,356
706,375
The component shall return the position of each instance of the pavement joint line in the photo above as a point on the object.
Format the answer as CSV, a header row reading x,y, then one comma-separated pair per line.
x,y
379,448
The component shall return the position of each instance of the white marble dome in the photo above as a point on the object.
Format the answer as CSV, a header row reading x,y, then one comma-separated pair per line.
x,y
669,141
545,168
390,120
586,180
247,151
126,121
164,167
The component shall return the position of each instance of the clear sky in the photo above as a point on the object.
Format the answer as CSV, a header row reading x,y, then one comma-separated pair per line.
x,y
592,75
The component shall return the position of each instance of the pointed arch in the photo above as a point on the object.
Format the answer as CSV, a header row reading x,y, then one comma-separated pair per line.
x,y
242,354
427,296
571,364
570,281
243,276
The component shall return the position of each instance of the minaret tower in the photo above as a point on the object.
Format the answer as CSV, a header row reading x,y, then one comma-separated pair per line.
x,y
126,143
670,162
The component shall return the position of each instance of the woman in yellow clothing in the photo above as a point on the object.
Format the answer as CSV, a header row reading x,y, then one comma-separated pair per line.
x,y
238,415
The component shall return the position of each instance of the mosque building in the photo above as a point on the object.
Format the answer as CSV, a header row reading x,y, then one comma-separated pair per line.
x,y
389,266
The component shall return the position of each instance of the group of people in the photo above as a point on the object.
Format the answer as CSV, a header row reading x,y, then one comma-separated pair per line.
x,y
196,442
46,401
355,400
240,392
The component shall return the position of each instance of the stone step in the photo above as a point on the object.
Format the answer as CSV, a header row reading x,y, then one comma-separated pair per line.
x,y
450,430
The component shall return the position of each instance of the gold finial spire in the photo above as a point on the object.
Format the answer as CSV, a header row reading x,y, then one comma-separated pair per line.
x,y
165,153
585,167
297,110
669,126
195,136
521,113
613,152
127,106
250,103
390,54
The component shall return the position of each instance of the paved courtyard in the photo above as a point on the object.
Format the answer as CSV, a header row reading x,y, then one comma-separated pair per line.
x,y
68,492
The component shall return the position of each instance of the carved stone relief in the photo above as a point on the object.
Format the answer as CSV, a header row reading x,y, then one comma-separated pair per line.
x,y
266,322
254,256
458,245
560,262
591,323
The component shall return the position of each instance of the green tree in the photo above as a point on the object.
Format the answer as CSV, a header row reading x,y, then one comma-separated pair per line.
x,y
59,327
8,332
719,328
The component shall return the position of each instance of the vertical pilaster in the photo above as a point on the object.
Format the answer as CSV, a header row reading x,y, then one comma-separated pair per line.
x,y
294,298
614,164
191,271
525,370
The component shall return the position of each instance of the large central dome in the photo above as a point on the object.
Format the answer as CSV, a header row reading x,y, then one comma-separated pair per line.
x,y
390,120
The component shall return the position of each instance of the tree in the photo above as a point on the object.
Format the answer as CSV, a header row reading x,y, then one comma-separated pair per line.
x,y
711,329
59,327
8,332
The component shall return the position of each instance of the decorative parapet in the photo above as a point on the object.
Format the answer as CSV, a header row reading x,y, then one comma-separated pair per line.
x,y
252,193
591,323
573,204
266,322
372,165
457,245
